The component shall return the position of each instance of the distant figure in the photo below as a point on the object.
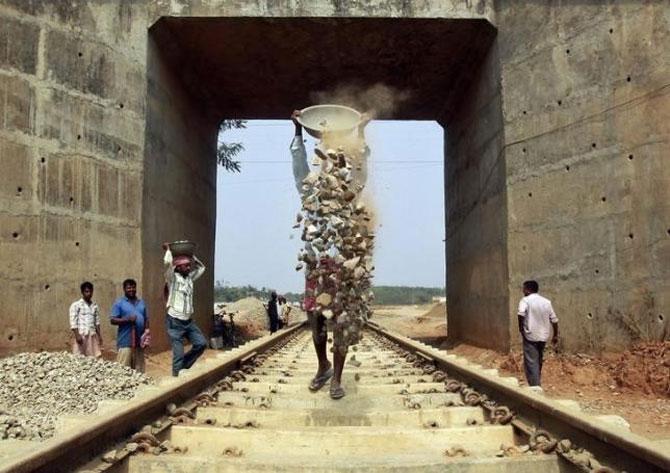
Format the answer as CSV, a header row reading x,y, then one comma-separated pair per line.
x,y
536,321
85,323
284,310
273,312
129,313
180,277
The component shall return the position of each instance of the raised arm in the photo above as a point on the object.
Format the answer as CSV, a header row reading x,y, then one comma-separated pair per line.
x,y
298,153
167,262
198,270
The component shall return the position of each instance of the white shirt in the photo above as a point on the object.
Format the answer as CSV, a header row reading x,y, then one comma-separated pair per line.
x,y
538,316
180,296
83,317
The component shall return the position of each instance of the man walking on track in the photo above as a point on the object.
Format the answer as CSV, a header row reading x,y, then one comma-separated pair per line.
x,y
129,313
317,321
179,277
536,322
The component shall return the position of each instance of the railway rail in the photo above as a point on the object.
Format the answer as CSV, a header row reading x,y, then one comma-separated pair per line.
x,y
409,407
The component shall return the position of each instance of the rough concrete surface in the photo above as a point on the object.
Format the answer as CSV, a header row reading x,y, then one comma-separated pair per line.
x,y
555,115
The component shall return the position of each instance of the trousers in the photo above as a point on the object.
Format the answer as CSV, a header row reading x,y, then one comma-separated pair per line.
x,y
177,330
533,353
131,357
274,324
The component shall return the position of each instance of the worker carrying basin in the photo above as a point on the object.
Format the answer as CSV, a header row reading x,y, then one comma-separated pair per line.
x,y
330,119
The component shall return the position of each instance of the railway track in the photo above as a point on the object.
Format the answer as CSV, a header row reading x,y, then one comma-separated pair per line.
x,y
408,407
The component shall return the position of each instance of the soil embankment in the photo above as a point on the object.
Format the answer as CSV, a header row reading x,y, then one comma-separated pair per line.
x,y
634,384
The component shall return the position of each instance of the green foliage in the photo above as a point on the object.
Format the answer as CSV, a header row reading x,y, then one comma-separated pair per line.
x,y
227,151
234,293
401,295
384,295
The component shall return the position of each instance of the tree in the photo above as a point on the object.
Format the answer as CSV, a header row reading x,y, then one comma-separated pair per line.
x,y
227,151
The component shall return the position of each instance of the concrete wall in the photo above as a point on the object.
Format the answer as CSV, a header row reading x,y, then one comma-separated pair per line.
x,y
476,213
71,154
587,125
179,199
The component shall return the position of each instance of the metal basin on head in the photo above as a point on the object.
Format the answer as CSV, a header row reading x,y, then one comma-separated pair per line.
x,y
182,248
329,118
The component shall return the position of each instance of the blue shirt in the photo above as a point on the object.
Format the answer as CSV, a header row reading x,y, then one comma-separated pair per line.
x,y
123,307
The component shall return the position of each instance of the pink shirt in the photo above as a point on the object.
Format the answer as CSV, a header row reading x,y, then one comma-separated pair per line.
x,y
309,303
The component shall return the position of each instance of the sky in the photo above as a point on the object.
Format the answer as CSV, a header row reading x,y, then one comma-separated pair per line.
x,y
256,209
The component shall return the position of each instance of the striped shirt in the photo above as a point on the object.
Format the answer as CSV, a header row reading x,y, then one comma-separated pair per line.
x,y
180,288
83,317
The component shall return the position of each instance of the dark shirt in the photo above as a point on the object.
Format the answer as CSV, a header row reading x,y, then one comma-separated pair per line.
x,y
272,309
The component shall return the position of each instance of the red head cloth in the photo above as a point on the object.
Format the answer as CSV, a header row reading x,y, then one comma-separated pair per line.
x,y
179,260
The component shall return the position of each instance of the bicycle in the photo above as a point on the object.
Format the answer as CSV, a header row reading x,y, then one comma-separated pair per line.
x,y
224,331
229,338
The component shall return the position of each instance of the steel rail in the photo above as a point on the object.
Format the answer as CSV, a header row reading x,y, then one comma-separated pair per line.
x,y
618,448
61,452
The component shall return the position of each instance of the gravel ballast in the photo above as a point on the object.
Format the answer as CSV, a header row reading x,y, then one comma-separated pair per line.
x,y
36,388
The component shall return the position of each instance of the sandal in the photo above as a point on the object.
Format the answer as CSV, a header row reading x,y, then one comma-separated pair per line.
x,y
337,392
320,381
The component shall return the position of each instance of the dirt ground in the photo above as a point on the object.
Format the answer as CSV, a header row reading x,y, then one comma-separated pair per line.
x,y
634,384
427,322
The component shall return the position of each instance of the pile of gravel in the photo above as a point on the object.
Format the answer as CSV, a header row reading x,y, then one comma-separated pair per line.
x,y
35,388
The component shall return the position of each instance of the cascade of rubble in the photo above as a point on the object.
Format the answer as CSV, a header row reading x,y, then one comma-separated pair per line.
x,y
338,242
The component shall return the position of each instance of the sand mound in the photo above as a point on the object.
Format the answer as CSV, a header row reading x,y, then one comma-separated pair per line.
x,y
248,309
437,311
251,317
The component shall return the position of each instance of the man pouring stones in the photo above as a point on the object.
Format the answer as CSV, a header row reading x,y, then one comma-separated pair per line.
x,y
180,274
338,244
